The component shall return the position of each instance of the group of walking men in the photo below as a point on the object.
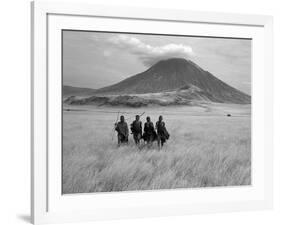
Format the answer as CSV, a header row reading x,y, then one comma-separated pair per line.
x,y
149,133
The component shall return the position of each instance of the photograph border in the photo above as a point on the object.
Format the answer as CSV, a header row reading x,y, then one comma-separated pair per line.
x,y
39,80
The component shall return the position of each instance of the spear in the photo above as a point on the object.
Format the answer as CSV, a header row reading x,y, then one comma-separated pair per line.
x,y
134,116
142,114
115,125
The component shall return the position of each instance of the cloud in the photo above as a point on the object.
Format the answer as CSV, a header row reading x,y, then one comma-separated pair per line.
x,y
148,54
107,53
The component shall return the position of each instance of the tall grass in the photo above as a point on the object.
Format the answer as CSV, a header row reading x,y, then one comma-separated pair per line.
x,y
203,151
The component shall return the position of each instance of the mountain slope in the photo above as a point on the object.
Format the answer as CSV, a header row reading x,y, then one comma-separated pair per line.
x,y
77,91
174,74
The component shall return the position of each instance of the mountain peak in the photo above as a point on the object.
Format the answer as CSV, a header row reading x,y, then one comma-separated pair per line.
x,y
173,64
174,60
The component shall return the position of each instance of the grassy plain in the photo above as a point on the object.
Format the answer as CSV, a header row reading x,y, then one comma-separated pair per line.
x,y
206,149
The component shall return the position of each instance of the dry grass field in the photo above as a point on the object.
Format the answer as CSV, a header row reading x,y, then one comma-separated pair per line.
x,y
206,149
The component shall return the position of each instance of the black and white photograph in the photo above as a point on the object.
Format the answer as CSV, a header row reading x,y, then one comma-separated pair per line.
x,y
154,111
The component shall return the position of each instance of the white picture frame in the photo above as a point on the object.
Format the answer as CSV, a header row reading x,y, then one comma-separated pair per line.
x,y
47,206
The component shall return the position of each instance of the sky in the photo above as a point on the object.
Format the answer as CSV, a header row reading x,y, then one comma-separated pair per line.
x,y
98,59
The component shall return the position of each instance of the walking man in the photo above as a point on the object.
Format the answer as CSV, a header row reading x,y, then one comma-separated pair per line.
x,y
149,132
162,133
122,131
136,128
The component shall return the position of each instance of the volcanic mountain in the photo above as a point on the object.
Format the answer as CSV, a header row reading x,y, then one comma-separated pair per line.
x,y
182,76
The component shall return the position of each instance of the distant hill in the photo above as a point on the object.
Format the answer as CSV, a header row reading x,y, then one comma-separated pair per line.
x,y
76,91
179,97
178,74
